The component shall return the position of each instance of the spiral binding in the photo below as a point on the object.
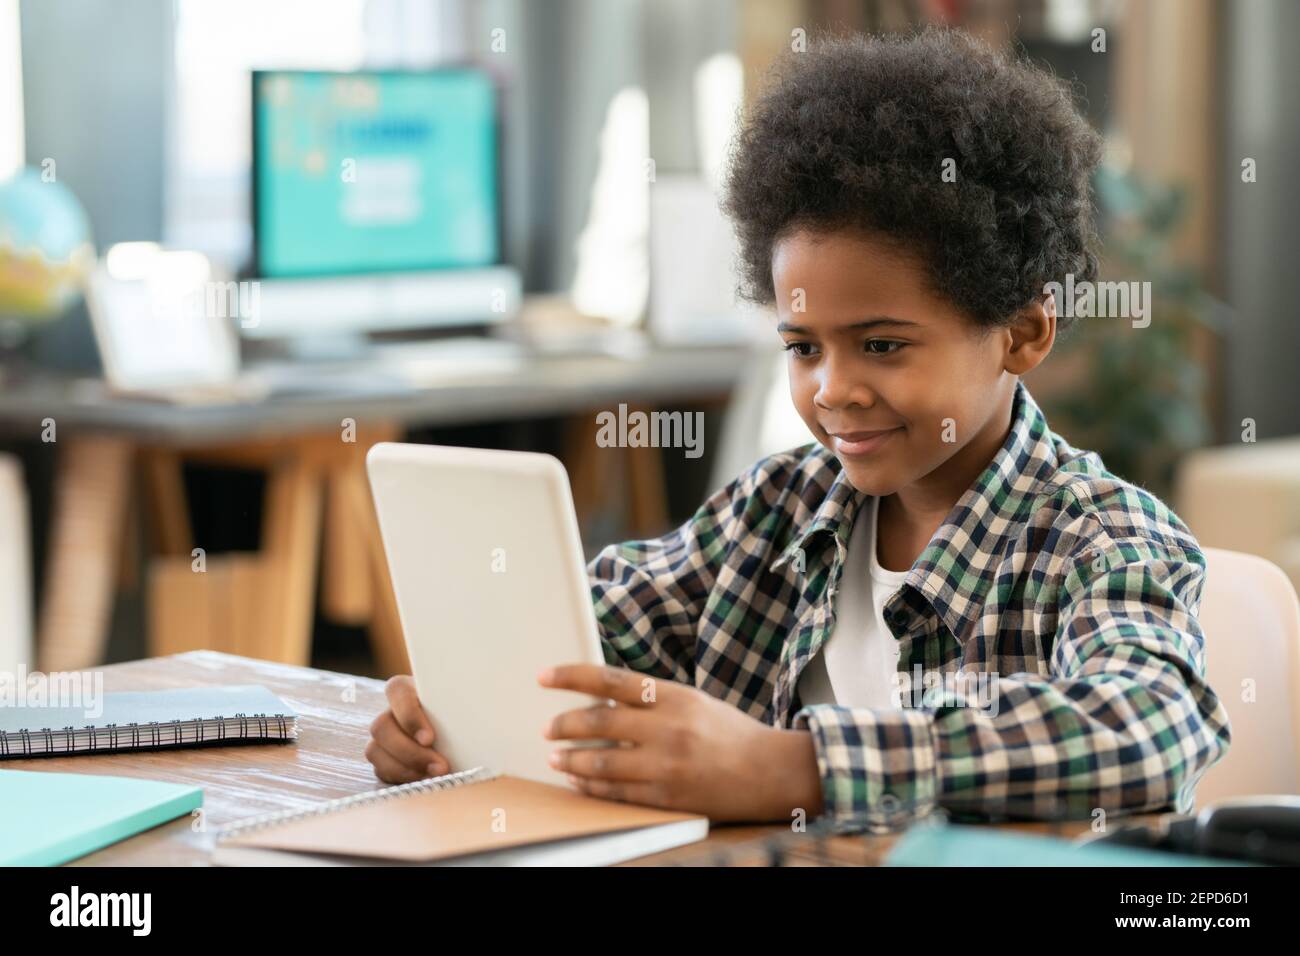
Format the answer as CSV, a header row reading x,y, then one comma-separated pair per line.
x,y
278,817
169,734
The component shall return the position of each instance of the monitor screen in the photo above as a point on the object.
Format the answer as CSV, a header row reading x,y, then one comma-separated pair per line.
x,y
373,172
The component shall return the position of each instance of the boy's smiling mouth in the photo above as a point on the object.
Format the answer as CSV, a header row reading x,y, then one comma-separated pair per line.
x,y
861,442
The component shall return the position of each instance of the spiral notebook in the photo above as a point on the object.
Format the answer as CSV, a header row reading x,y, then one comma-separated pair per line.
x,y
474,817
148,720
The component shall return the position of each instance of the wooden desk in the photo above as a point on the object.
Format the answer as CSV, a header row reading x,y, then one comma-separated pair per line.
x,y
544,385
317,501
335,711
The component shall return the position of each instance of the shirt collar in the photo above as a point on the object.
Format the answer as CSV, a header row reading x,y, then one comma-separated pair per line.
x,y
955,570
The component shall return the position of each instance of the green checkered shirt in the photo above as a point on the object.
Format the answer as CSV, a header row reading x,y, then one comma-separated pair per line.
x,y
1051,662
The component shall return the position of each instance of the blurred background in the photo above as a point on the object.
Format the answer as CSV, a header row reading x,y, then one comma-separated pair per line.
x,y
241,241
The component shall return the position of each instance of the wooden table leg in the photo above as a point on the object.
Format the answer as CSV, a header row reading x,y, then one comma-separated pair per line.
x,y
387,642
347,586
279,581
386,637
92,488
169,516
290,542
260,604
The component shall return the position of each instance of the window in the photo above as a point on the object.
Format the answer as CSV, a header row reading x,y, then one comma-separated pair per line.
x,y
217,45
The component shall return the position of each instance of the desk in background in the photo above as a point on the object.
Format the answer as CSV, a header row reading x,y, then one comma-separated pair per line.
x,y
317,500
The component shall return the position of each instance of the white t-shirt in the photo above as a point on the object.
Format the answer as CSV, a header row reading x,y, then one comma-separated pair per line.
x,y
857,663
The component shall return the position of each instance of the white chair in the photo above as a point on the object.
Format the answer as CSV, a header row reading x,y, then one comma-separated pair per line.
x,y
1251,618
1245,497
15,570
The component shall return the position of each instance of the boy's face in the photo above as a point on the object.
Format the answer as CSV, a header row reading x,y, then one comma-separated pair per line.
x,y
888,376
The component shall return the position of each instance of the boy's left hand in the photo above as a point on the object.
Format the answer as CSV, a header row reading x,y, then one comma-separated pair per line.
x,y
680,749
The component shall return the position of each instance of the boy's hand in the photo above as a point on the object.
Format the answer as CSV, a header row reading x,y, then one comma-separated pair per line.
x,y
401,738
680,749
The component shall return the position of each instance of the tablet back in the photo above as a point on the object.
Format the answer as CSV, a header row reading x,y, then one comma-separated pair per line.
x,y
491,586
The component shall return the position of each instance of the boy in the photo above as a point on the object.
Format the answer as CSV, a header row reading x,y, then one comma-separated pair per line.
x,y
940,602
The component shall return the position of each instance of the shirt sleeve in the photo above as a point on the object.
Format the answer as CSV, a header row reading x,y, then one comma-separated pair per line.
x,y
1123,722
649,596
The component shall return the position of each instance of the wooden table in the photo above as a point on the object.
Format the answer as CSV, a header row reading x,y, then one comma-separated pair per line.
x,y
317,506
335,711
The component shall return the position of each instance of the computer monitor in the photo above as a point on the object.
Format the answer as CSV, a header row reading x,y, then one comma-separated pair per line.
x,y
368,172
376,206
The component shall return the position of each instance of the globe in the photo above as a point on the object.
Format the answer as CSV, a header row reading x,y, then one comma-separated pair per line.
x,y
46,251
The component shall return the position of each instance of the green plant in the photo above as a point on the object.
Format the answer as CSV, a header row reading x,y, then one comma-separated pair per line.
x,y
1142,403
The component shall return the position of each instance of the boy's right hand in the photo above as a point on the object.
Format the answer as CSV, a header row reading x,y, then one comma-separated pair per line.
x,y
401,738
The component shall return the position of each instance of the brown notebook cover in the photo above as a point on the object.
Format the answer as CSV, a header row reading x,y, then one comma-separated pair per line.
x,y
477,812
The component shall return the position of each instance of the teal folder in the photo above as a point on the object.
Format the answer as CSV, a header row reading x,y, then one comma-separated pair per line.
x,y
952,845
50,818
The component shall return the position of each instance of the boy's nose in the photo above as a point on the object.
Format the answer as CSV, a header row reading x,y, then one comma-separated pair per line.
x,y
839,387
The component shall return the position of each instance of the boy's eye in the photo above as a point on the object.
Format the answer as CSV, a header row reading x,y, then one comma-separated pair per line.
x,y
883,346
801,349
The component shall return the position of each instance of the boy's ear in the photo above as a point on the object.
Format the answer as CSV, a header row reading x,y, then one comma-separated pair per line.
x,y
1032,332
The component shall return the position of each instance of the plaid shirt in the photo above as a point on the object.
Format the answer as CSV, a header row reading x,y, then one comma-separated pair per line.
x,y
1072,594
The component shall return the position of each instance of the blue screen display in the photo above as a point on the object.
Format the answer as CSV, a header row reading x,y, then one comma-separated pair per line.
x,y
374,172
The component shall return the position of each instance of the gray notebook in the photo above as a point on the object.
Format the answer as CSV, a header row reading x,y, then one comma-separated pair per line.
x,y
148,720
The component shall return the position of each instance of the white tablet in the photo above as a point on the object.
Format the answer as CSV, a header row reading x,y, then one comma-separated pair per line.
x,y
491,585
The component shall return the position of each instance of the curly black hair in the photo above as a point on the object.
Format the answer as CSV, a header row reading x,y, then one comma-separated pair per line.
x,y
854,132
